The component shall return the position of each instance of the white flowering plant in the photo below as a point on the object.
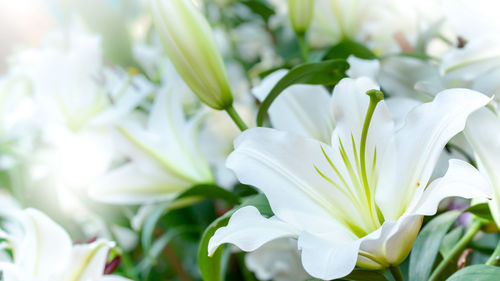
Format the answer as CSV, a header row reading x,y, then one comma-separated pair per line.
x,y
249,140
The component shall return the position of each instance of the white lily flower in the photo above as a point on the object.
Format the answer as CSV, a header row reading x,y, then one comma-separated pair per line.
x,y
359,201
483,133
43,251
165,156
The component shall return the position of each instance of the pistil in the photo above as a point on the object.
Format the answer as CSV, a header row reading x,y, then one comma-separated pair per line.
x,y
375,97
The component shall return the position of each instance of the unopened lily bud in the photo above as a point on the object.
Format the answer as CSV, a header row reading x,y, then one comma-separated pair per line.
x,y
190,44
300,12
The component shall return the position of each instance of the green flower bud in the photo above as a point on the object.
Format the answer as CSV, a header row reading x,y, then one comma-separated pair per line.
x,y
301,12
190,45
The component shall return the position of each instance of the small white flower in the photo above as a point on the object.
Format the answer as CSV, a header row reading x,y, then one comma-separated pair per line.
x,y
483,133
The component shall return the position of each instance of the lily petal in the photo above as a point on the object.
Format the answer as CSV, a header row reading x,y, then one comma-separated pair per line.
x,y
399,108
132,184
350,104
11,272
87,261
168,124
479,56
329,256
482,131
362,67
391,243
249,230
419,142
300,109
461,180
470,18
288,169
45,246
350,107
277,260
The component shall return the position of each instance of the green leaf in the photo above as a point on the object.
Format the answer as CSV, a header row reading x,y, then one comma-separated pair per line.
x,y
319,73
346,48
260,202
365,275
210,267
210,191
479,272
157,247
481,210
427,245
188,197
260,8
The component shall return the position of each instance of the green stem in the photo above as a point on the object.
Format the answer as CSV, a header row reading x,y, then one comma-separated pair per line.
x,y
495,257
303,46
396,273
236,118
457,250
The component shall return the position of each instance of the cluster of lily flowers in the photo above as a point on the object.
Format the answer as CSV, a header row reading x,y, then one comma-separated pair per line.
x,y
254,140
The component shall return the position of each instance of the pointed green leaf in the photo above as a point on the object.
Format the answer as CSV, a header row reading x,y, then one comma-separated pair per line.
x,y
479,272
346,48
450,240
210,267
481,210
427,244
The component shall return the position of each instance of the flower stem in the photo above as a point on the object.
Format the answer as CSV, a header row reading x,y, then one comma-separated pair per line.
x,y
457,250
236,118
303,46
495,257
396,273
